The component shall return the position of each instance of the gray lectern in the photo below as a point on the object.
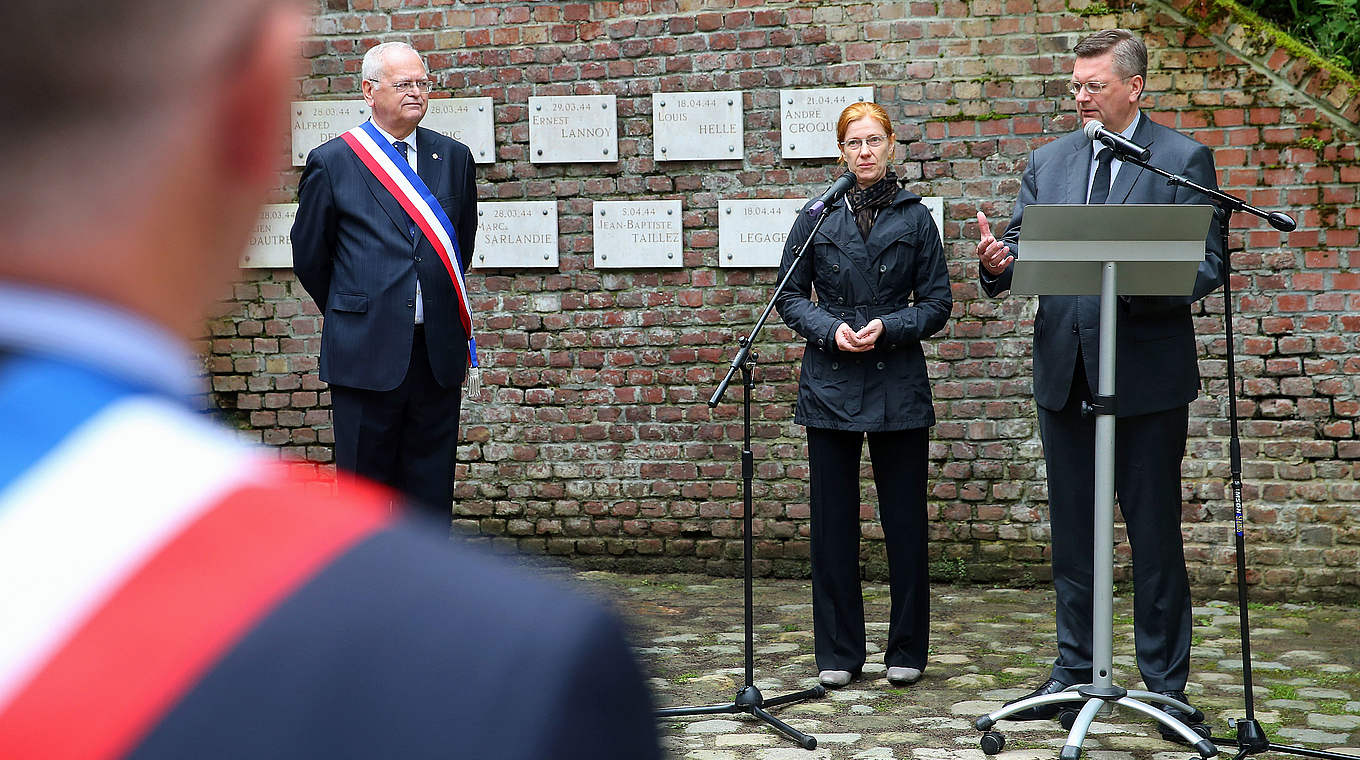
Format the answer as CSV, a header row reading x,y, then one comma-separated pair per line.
x,y
1110,250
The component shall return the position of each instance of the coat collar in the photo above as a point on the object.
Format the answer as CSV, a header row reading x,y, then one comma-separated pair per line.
x,y
840,228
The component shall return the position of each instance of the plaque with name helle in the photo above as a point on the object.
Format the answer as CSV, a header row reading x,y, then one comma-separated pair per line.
x,y
467,120
316,121
752,233
696,126
516,235
637,234
807,119
566,129
270,246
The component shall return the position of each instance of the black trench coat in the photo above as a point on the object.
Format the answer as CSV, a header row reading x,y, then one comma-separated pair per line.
x,y
897,275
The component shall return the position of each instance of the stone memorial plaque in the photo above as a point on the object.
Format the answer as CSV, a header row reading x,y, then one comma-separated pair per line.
x,y
807,119
936,205
565,129
752,233
270,246
470,121
637,234
516,235
316,121
695,126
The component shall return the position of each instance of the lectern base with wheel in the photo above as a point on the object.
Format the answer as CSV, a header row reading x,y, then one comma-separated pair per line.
x,y
1110,250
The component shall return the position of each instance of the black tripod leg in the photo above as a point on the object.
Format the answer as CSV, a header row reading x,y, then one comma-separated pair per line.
x,y
797,696
804,741
728,708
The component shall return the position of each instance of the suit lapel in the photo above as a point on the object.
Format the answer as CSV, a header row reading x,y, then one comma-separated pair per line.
x,y
430,165
1078,173
384,198
1129,173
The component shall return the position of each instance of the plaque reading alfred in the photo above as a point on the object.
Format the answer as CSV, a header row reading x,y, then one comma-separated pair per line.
x,y
516,235
270,246
692,126
752,233
316,121
565,129
637,234
467,120
807,119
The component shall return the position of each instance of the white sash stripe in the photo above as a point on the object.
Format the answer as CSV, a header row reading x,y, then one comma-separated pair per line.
x,y
91,512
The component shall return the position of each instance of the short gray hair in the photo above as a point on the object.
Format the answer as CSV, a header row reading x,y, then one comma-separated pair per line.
x,y
375,60
1130,55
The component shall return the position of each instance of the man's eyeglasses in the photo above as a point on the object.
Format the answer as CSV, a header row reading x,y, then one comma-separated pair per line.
x,y
406,87
1094,88
855,143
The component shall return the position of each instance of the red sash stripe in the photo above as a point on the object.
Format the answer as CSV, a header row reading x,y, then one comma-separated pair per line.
x,y
177,615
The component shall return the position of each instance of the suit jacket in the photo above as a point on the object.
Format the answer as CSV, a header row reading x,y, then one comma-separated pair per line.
x,y
1156,358
357,254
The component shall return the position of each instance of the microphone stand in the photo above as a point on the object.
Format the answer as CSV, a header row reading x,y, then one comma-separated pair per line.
x,y
1251,738
749,699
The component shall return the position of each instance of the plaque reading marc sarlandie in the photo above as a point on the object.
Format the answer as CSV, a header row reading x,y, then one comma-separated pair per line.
x,y
690,126
637,234
316,121
270,245
516,235
467,120
752,233
807,119
567,129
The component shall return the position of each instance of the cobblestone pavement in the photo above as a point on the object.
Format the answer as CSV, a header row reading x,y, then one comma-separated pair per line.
x,y
987,646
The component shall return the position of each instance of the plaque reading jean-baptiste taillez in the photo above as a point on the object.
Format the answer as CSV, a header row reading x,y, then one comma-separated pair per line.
x,y
807,119
566,129
467,120
270,245
316,121
637,234
752,233
690,126
516,235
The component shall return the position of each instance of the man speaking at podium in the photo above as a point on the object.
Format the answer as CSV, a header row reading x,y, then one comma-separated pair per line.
x,y
1157,373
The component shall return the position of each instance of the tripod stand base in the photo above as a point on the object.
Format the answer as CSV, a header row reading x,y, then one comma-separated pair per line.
x,y
1097,699
1252,740
749,700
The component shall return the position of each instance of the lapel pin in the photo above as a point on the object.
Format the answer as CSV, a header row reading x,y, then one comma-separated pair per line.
x,y
435,156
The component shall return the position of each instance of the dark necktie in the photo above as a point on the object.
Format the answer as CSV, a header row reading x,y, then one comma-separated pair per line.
x,y
401,147
1100,186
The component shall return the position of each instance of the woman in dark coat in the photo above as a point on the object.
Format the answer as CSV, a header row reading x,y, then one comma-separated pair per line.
x,y
878,270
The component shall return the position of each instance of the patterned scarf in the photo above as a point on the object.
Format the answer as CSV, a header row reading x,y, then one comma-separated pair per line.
x,y
865,202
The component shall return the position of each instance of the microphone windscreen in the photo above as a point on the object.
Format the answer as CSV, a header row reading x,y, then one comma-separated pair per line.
x,y
1092,129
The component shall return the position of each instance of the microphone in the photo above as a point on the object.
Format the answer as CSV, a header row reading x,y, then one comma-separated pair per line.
x,y
838,188
1122,147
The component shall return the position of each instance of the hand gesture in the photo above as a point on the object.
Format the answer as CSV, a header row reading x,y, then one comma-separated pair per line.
x,y
993,255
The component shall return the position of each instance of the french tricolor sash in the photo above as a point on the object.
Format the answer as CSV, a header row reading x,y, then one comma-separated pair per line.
x,y
395,174
135,555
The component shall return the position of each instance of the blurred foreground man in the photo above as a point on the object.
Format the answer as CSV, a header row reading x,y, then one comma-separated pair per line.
x,y
167,591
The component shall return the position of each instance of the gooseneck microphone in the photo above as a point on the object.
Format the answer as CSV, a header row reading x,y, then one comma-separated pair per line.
x,y
1122,146
838,188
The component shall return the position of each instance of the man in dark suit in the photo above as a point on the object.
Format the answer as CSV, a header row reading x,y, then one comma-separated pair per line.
x,y
1157,378
394,345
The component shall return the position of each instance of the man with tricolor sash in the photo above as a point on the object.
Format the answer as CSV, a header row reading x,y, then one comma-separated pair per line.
x,y
386,223
166,590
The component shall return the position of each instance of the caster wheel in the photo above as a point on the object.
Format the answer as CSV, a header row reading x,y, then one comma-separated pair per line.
x,y
993,742
1200,729
1067,719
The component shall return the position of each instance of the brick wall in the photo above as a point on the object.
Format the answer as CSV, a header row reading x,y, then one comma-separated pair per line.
x,y
593,440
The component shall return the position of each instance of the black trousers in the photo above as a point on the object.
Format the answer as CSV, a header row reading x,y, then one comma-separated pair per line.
x,y
405,438
1148,453
899,463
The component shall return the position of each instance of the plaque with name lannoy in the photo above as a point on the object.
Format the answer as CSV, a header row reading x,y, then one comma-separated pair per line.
x,y
694,126
467,120
807,119
752,233
566,129
516,235
270,245
637,234
316,121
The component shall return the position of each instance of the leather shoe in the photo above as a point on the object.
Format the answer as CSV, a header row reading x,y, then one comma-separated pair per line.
x,y
1039,712
900,676
1180,715
834,679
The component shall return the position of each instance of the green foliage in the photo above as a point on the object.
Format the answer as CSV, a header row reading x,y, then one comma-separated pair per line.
x,y
1332,27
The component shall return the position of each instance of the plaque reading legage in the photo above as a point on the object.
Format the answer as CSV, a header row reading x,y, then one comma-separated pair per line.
x,y
751,233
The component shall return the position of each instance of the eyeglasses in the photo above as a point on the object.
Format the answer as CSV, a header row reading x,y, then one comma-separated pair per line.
x,y
422,85
1094,88
855,143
